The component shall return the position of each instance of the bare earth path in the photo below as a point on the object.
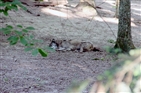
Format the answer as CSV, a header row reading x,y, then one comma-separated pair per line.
x,y
22,73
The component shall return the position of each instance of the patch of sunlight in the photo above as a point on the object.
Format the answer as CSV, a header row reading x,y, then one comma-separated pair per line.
x,y
133,24
54,12
138,14
110,20
111,2
137,9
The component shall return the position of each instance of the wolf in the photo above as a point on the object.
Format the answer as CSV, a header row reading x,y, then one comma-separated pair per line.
x,y
55,44
72,45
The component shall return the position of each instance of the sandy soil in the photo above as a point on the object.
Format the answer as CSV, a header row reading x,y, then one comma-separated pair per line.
x,y
21,72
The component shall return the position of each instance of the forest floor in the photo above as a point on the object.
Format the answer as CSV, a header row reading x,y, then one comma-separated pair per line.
x,y
20,72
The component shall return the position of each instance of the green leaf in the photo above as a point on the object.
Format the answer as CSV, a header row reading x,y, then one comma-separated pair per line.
x,y
9,27
24,8
19,33
28,49
30,28
7,8
5,13
13,7
23,41
16,2
2,4
31,44
7,3
25,30
13,40
34,52
6,31
19,26
10,38
42,52
1,10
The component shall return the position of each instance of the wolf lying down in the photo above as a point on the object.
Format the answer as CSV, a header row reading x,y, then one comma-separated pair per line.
x,y
72,45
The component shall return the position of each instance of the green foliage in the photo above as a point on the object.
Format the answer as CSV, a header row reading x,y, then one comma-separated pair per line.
x,y
112,50
111,41
128,59
42,52
117,73
21,34
78,87
7,6
34,52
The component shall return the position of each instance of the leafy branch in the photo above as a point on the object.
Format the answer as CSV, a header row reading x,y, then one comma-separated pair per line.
x,y
21,34
125,76
8,6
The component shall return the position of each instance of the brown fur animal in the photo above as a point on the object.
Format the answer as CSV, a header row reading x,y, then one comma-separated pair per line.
x,y
86,46
79,46
73,45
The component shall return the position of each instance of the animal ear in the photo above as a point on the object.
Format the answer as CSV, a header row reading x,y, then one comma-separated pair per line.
x,y
53,39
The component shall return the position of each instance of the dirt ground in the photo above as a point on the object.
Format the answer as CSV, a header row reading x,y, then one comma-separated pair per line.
x,y
21,72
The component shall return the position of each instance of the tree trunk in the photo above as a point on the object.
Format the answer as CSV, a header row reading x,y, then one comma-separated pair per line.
x,y
124,39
